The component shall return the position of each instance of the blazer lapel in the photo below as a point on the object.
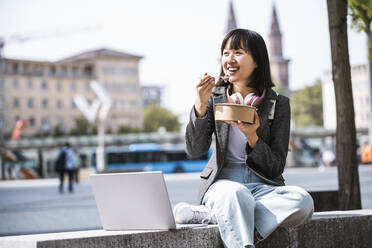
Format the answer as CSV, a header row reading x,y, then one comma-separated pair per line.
x,y
265,107
222,128
264,110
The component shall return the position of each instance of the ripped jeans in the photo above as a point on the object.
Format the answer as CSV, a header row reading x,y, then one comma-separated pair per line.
x,y
242,202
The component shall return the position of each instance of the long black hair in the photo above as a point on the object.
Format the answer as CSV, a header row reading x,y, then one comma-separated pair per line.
x,y
250,41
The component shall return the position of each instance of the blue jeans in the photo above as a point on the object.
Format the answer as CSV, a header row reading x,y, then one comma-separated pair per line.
x,y
241,202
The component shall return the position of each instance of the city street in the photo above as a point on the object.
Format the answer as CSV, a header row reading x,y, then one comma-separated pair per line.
x,y
35,206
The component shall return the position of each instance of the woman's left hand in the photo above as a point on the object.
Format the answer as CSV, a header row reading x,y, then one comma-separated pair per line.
x,y
249,130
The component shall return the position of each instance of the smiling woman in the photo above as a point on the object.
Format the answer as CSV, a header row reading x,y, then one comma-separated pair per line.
x,y
242,188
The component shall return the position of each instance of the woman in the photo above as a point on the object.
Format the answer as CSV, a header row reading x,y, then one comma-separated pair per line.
x,y
242,188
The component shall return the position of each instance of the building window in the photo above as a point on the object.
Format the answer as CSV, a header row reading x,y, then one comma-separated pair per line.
x,y
74,71
59,104
44,103
32,121
44,85
30,103
1,84
60,122
63,71
88,71
4,67
45,126
37,71
87,87
29,84
52,70
16,118
15,68
15,84
73,105
73,86
26,69
15,102
59,86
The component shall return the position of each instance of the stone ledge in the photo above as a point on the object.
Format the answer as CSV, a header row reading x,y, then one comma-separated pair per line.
x,y
326,229
325,200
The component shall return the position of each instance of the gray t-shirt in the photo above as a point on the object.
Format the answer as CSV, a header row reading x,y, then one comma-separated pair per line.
x,y
236,146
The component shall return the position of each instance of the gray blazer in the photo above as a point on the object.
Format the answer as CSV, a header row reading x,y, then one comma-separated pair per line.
x,y
266,160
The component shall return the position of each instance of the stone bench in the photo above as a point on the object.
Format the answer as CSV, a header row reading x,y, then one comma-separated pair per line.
x,y
326,200
326,229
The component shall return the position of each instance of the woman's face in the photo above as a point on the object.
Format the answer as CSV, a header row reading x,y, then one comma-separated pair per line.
x,y
238,64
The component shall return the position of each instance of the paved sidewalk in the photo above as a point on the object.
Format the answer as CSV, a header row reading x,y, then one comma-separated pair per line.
x,y
29,183
176,176
40,182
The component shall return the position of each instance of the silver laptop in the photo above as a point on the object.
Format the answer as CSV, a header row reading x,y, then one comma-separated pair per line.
x,y
134,201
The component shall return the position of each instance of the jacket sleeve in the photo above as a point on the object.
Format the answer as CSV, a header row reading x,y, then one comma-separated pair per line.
x,y
199,132
269,159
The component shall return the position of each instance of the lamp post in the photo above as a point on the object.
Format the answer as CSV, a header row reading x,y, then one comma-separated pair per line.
x,y
97,110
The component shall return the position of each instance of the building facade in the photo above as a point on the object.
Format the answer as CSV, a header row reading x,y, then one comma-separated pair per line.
x,y
42,91
152,94
361,98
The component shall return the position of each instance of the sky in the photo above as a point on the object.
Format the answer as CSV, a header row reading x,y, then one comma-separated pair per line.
x,y
180,40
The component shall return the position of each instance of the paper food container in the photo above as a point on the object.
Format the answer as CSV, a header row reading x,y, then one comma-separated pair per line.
x,y
234,112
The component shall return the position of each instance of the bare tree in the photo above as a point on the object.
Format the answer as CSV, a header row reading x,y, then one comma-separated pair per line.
x,y
346,158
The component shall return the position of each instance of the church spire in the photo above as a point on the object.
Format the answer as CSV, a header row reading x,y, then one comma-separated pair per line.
x,y
231,21
275,29
278,64
275,36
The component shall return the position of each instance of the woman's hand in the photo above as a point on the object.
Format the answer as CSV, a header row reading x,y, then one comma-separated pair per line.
x,y
204,91
249,130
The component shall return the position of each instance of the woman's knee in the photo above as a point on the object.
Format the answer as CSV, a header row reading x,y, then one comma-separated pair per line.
x,y
305,202
302,205
229,191
301,199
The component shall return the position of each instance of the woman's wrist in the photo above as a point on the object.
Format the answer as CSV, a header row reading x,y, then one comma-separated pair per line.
x,y
200,109
252,140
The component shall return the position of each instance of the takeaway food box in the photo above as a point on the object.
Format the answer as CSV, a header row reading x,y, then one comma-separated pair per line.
x,y
234,112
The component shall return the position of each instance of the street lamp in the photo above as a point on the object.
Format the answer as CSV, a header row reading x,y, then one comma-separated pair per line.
x,y
97,110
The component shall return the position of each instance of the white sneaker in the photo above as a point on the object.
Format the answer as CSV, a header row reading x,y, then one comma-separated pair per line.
x,y
185,213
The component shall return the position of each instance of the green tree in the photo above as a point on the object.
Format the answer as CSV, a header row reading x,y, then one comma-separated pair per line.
x,y
361,16
128,129
279,88
346,158
156,116
109,131
307,105
58,131
82,127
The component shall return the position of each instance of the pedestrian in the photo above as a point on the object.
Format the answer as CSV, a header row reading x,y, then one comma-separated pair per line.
x,y
65,163
242,188
328,157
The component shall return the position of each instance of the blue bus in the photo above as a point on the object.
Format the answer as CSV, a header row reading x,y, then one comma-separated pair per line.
x,y
151,157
